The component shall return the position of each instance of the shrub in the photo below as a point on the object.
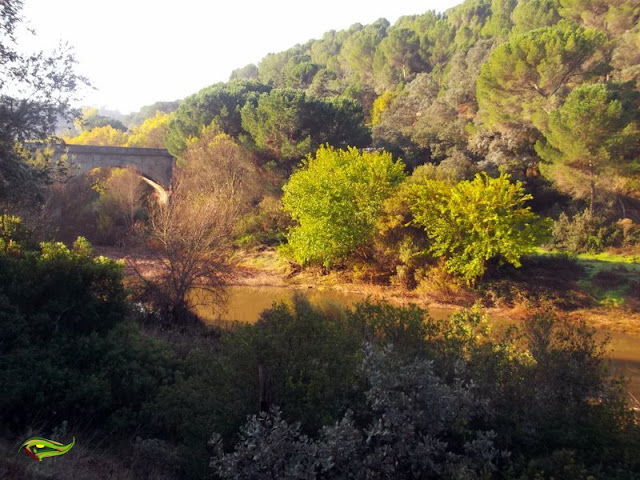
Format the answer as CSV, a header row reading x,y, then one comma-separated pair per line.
x,y
419,427
581,233
56,307
476,221
265,225
448,400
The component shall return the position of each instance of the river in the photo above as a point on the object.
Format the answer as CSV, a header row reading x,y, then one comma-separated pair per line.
x,y
246,303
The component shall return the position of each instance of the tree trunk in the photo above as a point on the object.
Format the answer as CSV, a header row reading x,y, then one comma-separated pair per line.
x,y
592,182
624,210
264,393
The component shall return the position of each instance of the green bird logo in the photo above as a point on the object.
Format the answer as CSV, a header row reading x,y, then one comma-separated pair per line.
x,y
39,448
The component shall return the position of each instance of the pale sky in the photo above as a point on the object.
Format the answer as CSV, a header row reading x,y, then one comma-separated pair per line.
x,y
136,52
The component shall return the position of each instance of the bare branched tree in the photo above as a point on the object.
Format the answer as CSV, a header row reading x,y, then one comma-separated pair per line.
x,y
123,192
190,235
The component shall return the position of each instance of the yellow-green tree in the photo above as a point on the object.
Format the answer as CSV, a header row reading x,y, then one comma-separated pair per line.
x,y
151,133
335,199
102,136
380,105
476,221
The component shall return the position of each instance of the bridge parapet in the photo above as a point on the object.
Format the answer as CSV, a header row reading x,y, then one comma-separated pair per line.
x,y
156,164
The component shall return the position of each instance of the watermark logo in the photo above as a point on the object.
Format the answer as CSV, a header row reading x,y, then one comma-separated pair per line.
x,y
39,448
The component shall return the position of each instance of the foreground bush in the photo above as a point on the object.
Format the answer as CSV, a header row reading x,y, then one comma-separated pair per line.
x,y
449,400
65,351
373,392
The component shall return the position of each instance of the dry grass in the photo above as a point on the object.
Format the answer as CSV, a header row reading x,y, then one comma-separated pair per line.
x,y
614,319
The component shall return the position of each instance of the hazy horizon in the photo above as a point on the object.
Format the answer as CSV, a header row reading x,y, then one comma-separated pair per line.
x,y
137,53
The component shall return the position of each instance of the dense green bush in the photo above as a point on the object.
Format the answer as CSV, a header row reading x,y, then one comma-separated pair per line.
x,y
335,199
451,400
419,428
475,221
65,351
374,390
590,233
265,225
581,233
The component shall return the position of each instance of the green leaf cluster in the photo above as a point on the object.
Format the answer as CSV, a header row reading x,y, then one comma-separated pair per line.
x,y
335,199
521,79
476,221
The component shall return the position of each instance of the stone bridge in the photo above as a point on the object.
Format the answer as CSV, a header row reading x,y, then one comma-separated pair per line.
x,y
153,164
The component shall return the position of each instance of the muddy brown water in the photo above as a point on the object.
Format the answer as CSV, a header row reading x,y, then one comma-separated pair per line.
x,y
245,304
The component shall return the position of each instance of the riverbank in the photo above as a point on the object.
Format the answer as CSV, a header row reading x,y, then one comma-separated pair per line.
x,y
265,268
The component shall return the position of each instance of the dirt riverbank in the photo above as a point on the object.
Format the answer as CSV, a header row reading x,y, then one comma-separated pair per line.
x,y
267,269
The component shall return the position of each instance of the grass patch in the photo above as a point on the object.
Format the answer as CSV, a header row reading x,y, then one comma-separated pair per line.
x,y
543,278
611,278
609,257
266,260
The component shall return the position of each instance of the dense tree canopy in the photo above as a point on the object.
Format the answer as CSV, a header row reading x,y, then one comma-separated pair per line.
x,y
588,136
335,198
286,124
220,103
524,78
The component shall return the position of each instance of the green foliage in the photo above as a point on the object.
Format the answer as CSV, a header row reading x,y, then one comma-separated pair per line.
x,y
220,104
57,306
380,105
13,234
151,132
285,125
613,16
589,135
581,233
532,14
536,401
335,198
499,24
299,357
419,126
523,77
76,291
417,428
279,125
399,246
149,111
476,221
265,225
38,90
359,49
397,57
94,120
248,72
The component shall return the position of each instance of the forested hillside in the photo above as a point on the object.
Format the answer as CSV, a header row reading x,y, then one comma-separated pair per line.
x,y
542,93
486,85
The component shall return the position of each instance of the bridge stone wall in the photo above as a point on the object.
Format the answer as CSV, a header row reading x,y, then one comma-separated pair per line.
x,y
156,164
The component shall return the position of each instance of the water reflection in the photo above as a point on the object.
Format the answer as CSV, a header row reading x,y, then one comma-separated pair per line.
x,y
246,303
